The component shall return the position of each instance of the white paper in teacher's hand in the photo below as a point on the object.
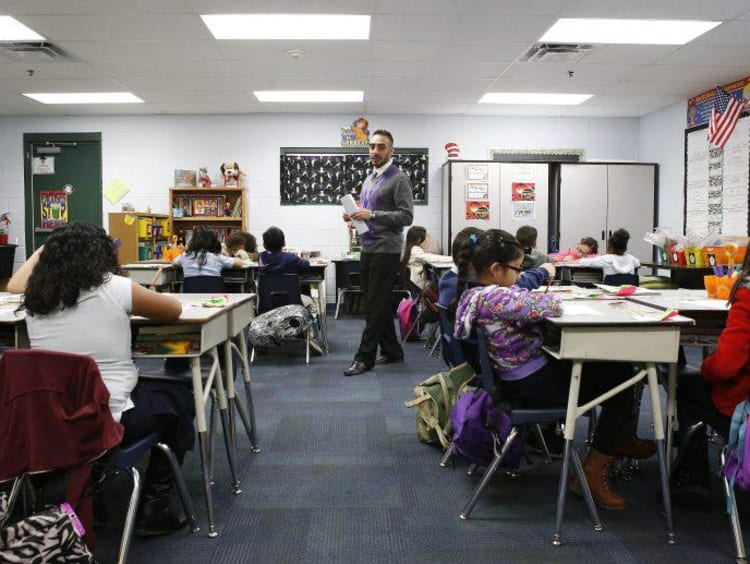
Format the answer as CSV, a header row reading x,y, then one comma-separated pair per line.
x,y
350,206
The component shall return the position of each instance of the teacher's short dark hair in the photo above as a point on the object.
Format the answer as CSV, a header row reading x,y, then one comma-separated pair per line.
x,y
384,133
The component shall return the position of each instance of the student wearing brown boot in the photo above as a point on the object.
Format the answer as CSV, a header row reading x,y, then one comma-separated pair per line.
x,y
512,317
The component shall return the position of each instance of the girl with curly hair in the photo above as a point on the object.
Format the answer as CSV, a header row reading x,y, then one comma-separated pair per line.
x,y
77,301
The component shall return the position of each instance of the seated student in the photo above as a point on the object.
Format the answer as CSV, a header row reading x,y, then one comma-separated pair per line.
x,y
587,247
617,260
513,319
529,279
243,246
274,260
533,258
203,256
712,396
77,301
415,257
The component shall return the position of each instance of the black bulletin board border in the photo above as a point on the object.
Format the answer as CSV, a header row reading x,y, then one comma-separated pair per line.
x,y
323,175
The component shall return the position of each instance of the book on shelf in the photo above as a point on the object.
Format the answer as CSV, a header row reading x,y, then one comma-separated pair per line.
x,y
237,207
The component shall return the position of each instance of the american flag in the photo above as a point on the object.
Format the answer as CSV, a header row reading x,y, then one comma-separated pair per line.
x,y
724,116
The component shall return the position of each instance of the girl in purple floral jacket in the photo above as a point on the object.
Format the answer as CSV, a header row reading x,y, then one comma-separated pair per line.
x,y
513,319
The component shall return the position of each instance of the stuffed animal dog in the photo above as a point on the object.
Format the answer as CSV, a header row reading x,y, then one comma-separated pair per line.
x,y
232,173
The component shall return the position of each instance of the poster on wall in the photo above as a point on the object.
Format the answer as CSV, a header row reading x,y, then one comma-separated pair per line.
x,y
478,210
477,172
699,107
523,211
523,191
54,209
477,191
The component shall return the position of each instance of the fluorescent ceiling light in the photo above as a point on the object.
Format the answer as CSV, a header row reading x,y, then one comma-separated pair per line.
x,y
309,95
647,32
287,26
13,30
527,98
85,97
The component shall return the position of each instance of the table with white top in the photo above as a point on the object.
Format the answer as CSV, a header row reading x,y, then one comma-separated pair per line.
x,y
208,328
613,330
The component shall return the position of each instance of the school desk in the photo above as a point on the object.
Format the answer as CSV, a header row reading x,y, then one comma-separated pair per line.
x,y
607,330
208,328
573,271
710,316
681,276
156,274
12,325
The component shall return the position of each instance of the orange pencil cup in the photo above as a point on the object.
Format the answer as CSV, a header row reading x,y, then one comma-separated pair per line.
x,y
709,281
724,287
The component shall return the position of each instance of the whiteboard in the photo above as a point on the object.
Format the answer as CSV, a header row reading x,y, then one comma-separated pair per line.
x,y
717,182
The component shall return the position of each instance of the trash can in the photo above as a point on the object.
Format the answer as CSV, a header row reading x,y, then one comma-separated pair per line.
x,y
7,253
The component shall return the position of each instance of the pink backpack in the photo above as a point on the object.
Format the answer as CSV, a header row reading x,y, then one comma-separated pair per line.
x,y
407,317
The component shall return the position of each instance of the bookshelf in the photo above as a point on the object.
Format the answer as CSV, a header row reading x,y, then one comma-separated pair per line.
x,y
142,235
222,209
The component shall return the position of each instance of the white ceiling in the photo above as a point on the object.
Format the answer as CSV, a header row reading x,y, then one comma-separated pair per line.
x,y
423,56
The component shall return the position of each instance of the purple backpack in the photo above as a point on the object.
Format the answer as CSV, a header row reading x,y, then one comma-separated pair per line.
x,y
737,466
471,418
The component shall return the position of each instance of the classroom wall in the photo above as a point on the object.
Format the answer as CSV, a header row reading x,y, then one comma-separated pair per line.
x,y
143,151
661,139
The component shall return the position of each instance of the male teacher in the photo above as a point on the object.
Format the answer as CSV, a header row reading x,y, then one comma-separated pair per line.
x,y
387,206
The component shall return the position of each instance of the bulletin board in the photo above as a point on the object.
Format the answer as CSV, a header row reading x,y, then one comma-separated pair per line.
x,y
717,182
322,176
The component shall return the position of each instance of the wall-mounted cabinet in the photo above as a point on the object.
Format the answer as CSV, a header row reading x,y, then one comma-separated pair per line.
x,y
224,210
141,236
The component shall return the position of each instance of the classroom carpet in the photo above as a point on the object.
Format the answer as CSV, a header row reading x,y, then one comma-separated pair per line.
x,y
341,478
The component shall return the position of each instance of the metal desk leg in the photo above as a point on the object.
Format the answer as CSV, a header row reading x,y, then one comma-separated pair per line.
x,y
200,422
229,370
220,392
570,429
249,425
653,390
671,412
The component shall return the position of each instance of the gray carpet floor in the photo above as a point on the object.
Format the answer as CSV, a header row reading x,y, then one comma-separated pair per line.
x,y
341,478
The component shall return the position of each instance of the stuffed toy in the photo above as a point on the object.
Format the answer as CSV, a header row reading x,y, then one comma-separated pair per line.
x,y
204,181
232,173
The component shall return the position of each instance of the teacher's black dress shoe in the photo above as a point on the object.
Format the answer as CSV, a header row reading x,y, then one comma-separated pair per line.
x,y
357,367
389,359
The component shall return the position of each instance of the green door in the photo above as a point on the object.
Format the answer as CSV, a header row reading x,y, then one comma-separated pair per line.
x,y
63,180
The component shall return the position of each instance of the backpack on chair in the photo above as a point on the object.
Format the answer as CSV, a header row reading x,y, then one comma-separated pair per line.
x,y
407,318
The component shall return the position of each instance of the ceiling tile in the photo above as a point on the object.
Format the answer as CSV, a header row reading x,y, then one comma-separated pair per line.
x,y
106,27
152,50
279,50
665,9
712,55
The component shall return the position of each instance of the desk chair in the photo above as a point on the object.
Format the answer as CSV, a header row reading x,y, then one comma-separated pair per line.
x,y
203,284
521,418
37,380
620,279
453,354
352,287
276,290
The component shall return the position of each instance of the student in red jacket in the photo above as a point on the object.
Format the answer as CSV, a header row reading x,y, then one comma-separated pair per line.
x,y
710,398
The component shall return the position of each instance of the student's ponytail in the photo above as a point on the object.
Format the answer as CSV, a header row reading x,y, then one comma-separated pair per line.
x,y
463,262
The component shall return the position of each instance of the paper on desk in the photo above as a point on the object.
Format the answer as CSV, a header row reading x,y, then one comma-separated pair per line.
x,y
576,308
350,206
713,304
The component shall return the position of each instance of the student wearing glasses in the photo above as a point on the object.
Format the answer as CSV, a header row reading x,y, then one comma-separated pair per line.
x,y
513,318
